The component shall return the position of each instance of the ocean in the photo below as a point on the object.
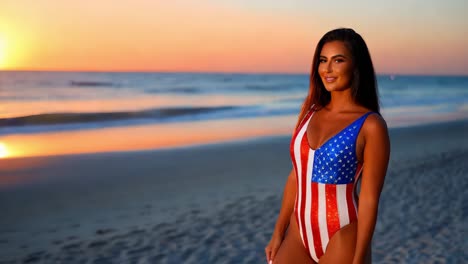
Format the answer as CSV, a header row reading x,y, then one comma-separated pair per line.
x,y
48,102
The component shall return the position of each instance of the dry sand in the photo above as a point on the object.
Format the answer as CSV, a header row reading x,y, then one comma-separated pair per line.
x,y
218,203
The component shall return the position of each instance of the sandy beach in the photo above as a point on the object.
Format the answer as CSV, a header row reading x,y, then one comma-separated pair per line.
x,y
218,203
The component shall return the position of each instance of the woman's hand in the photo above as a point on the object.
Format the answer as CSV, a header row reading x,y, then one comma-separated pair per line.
x,y
272,248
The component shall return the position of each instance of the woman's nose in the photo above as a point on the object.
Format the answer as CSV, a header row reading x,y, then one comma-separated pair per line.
x,y
329,67
326,67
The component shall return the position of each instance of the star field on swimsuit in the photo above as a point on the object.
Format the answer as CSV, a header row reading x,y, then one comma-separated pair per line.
x,y
336,151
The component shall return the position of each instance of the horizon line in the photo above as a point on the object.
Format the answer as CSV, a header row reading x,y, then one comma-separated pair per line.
x,y
215,72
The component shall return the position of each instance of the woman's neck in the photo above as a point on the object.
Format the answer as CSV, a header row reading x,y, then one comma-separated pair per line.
x,y
341,101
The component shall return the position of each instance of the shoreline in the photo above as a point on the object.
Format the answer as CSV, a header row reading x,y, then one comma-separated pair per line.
x,y
160,137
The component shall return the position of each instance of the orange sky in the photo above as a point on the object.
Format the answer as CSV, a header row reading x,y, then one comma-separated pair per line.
x,y
240,36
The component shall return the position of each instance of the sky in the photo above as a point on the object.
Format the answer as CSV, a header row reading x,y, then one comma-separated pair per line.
x,y
404,37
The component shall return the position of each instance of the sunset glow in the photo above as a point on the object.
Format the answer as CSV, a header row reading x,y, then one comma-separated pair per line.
x,y
227,35
17,45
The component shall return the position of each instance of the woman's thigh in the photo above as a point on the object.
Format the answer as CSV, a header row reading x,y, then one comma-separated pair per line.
x,y
341,247
292,250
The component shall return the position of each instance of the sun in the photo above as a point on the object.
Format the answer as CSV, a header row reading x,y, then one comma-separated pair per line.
x,y
2,51
3,46
3,150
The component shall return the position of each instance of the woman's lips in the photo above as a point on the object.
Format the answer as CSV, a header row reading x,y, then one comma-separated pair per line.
x,y
330,79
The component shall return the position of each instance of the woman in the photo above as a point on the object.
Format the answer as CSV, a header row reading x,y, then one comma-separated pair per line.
x,y
340,138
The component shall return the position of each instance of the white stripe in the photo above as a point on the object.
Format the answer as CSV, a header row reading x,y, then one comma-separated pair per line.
x,y
297,156
322,216
308,223
342,205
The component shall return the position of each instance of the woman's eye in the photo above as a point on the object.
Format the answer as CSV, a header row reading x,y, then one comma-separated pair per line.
x,y
322,60
339,60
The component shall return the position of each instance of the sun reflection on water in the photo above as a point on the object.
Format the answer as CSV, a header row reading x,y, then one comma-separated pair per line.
x,y
3,150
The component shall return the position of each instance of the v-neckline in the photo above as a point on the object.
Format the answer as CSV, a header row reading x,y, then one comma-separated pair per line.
x,y
332,137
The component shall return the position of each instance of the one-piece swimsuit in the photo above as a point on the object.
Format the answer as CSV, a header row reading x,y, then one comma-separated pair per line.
x,y
326,199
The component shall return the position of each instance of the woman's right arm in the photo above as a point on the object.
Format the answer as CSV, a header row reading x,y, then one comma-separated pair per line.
x,y
282,223
287,205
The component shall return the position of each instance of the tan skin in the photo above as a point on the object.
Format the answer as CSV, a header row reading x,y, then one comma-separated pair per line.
x,y
351,244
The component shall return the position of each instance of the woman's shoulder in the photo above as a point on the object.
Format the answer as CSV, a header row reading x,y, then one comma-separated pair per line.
x,y
375,124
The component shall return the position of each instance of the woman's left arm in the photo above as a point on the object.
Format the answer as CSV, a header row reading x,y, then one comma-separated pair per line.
x,y
376,155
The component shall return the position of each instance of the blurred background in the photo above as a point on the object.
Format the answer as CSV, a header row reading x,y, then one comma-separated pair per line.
x,y
120,105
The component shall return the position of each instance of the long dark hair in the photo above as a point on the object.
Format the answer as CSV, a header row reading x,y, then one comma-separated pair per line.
x,y
364,82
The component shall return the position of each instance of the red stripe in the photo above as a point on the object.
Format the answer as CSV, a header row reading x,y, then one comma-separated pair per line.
x,y
306,117
314,220
333,218
349,201
293,140
294,161
304,159
299,212
297,176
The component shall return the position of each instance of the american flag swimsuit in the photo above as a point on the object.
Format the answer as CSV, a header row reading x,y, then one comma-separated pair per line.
x,y
326,198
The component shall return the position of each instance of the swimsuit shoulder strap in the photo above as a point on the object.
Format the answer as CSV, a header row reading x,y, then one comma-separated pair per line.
x,y
306,116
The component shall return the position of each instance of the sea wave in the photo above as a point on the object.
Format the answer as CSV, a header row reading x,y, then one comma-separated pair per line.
x,y
67,118
91,84
176,90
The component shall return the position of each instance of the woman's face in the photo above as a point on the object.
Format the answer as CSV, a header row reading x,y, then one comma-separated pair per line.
x,y
335,66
